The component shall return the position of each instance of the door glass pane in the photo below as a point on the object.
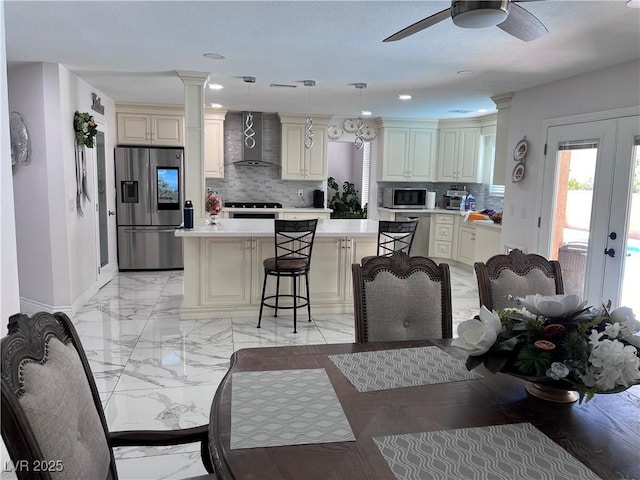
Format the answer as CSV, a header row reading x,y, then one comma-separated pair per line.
x,y
572,216
631,278
102,199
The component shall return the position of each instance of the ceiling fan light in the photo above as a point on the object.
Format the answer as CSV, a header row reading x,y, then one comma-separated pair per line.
x,y
479,14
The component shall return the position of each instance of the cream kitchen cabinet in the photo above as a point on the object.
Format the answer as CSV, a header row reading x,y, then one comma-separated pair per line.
x,y
299,162
459,155
145,129
214,144
234,273
466,243
408,151
230,283
488,241
443,235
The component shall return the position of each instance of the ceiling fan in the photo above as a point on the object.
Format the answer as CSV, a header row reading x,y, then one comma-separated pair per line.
x,y
505,14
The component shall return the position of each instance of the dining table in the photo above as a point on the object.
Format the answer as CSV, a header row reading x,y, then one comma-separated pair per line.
x,y
338,411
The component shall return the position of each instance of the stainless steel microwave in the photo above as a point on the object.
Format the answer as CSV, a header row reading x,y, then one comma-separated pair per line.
x,y
404,197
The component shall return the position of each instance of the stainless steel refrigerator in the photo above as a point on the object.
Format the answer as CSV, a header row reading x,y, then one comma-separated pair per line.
x,y
149,199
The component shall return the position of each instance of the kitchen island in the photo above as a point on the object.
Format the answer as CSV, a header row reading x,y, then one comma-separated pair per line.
x,y
223,270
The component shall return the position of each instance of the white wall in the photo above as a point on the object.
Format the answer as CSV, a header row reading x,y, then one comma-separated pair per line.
x,y
601,90
57,247
9,293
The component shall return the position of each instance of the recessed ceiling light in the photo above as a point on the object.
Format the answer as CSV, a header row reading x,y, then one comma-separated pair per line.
x,y
365,113
465,72
214,56
482,110
215,86
215,105
404,96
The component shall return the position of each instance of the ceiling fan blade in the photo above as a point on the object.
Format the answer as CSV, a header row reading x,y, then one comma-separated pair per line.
x,y
421,25
523,24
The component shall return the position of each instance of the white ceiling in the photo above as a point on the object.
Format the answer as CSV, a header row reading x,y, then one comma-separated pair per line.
x,y
131,50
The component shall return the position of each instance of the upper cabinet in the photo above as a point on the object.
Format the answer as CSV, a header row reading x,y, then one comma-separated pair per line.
x,y
147,125
459,149
458,155
214,144
408,150
298,161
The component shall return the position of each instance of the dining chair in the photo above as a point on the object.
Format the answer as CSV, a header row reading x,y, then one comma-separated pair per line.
x,y
293,246
504,277
52,416
401,298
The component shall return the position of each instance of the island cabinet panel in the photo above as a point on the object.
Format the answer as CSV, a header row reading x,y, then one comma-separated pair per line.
x,y
357,249
327,276
227,281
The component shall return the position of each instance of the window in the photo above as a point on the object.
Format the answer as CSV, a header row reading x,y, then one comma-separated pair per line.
x,y
488,149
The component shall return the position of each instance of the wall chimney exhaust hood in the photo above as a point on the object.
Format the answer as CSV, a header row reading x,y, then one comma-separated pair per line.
x,y
252,157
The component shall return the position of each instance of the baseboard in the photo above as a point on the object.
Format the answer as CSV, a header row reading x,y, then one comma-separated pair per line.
x,y
30,307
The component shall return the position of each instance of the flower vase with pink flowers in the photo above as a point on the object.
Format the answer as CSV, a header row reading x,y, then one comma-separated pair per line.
x,y
213,205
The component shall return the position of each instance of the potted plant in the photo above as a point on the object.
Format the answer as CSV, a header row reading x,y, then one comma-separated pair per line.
x,y
347,203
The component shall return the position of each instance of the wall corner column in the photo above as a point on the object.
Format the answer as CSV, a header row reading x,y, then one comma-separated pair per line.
x,y
503,104
194,83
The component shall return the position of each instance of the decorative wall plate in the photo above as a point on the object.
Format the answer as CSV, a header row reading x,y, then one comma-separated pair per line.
x,y
521,150
369,133
334,132
350,125
20,140
518,173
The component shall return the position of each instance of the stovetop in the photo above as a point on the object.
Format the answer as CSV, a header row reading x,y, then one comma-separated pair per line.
x,y
252,205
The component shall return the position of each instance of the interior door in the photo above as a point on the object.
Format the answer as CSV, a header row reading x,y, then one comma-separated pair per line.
x,y
586,219
105,212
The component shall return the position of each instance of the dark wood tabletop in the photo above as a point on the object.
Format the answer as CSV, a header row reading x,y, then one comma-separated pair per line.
x,y
604,433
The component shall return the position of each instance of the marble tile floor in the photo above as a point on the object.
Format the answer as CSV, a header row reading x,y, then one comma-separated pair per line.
x,y
155,372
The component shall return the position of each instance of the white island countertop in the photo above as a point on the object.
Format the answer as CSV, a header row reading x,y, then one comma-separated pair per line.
x,y
248,227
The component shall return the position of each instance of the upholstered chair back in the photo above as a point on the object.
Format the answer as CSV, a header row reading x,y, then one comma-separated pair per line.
x,y
505,277
50,406
401,298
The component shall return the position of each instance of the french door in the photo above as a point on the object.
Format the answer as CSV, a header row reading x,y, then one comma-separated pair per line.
x,y
590,211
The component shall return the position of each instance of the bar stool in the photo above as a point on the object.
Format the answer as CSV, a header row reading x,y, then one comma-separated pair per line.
x,y
394,237
293,245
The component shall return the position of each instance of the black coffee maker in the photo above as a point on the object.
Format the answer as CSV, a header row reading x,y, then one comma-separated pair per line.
x,y
318,199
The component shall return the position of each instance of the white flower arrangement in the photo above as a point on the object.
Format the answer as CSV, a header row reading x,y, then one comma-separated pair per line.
x,y
557,339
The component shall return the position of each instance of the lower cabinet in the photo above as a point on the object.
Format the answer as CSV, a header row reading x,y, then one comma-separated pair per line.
x,y
466,244
488,243
232,273
443,236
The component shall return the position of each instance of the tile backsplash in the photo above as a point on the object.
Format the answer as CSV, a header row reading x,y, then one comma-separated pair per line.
x,y
479,190
253,183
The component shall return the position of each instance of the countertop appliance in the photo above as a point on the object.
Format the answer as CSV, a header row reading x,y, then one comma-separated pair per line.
x,y
420,247
404,197
252,209
454,197
149,199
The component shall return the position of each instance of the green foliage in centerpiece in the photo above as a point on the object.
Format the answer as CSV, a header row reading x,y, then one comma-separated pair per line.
x,y
556,339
